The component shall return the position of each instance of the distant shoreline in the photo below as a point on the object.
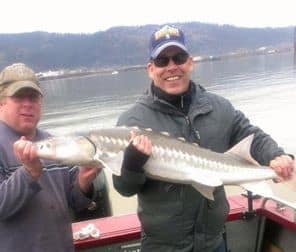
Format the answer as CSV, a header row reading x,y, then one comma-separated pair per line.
x,y
82,73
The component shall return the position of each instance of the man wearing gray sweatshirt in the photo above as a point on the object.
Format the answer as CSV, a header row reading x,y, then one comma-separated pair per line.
x,y
34,194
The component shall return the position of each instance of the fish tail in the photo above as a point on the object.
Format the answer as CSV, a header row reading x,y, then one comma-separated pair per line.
x,y
291,183
279,192
260,188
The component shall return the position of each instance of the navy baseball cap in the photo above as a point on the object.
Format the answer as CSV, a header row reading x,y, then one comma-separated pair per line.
x,y
164,37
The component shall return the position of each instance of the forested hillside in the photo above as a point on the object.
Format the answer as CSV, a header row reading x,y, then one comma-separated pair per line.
x,y
122,46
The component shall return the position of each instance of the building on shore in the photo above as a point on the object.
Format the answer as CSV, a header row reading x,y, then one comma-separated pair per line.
x,y
294,41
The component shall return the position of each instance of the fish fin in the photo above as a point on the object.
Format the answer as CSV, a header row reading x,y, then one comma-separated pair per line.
x,y
205,184
113,162
284,193
206,191
276,191
242,149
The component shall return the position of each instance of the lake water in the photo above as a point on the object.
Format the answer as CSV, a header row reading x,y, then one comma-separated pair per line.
x,y
263,87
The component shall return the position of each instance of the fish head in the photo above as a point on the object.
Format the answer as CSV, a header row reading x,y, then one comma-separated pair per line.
x,y
74,150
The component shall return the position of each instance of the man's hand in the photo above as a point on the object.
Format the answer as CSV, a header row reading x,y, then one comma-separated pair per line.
x,y
137,153
26,153
283,165
86,175
141,143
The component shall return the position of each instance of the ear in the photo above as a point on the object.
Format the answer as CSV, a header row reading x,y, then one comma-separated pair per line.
x,y
149,69
191,63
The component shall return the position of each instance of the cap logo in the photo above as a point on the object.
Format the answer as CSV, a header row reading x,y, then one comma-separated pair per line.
x,y
167,32
165,37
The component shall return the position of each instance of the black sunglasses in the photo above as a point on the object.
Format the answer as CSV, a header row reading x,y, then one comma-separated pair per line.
x,y
179,59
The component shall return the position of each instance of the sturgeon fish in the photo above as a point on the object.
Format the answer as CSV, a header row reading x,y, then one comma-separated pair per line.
x,y
172,160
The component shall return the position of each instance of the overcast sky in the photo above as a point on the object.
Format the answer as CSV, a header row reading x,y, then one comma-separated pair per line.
x,y
88,16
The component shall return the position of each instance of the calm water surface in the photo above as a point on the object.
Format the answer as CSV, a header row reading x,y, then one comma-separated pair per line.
x,y
263,87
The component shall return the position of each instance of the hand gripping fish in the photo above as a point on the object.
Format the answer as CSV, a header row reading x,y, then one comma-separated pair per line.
x,y
172,160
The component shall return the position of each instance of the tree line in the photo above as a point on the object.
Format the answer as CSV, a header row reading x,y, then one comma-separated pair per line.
x,y
128,45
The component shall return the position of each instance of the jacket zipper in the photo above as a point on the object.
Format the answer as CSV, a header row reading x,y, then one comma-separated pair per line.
x,y
196,132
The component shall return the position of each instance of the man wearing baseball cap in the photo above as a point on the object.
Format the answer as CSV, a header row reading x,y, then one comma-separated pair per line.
x,y
176,217
34,195
18,81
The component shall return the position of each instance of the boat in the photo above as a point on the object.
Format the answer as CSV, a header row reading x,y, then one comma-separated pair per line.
x,y
114,72
253,224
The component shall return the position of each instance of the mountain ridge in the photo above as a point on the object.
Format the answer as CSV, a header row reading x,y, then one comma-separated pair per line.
x,y
128,45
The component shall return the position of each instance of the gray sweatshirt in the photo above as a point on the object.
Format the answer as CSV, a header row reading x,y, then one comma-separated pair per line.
x,y
34,216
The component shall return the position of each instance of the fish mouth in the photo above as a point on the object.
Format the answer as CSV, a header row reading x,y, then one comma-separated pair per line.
x,y
92,143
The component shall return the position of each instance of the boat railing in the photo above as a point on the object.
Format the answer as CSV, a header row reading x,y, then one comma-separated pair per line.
x,y
126,230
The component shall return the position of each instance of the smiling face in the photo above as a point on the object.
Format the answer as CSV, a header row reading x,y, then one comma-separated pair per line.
x,y
22,111
172,78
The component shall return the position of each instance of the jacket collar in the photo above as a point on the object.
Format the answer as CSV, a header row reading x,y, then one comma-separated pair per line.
x,y
181,101
199,102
